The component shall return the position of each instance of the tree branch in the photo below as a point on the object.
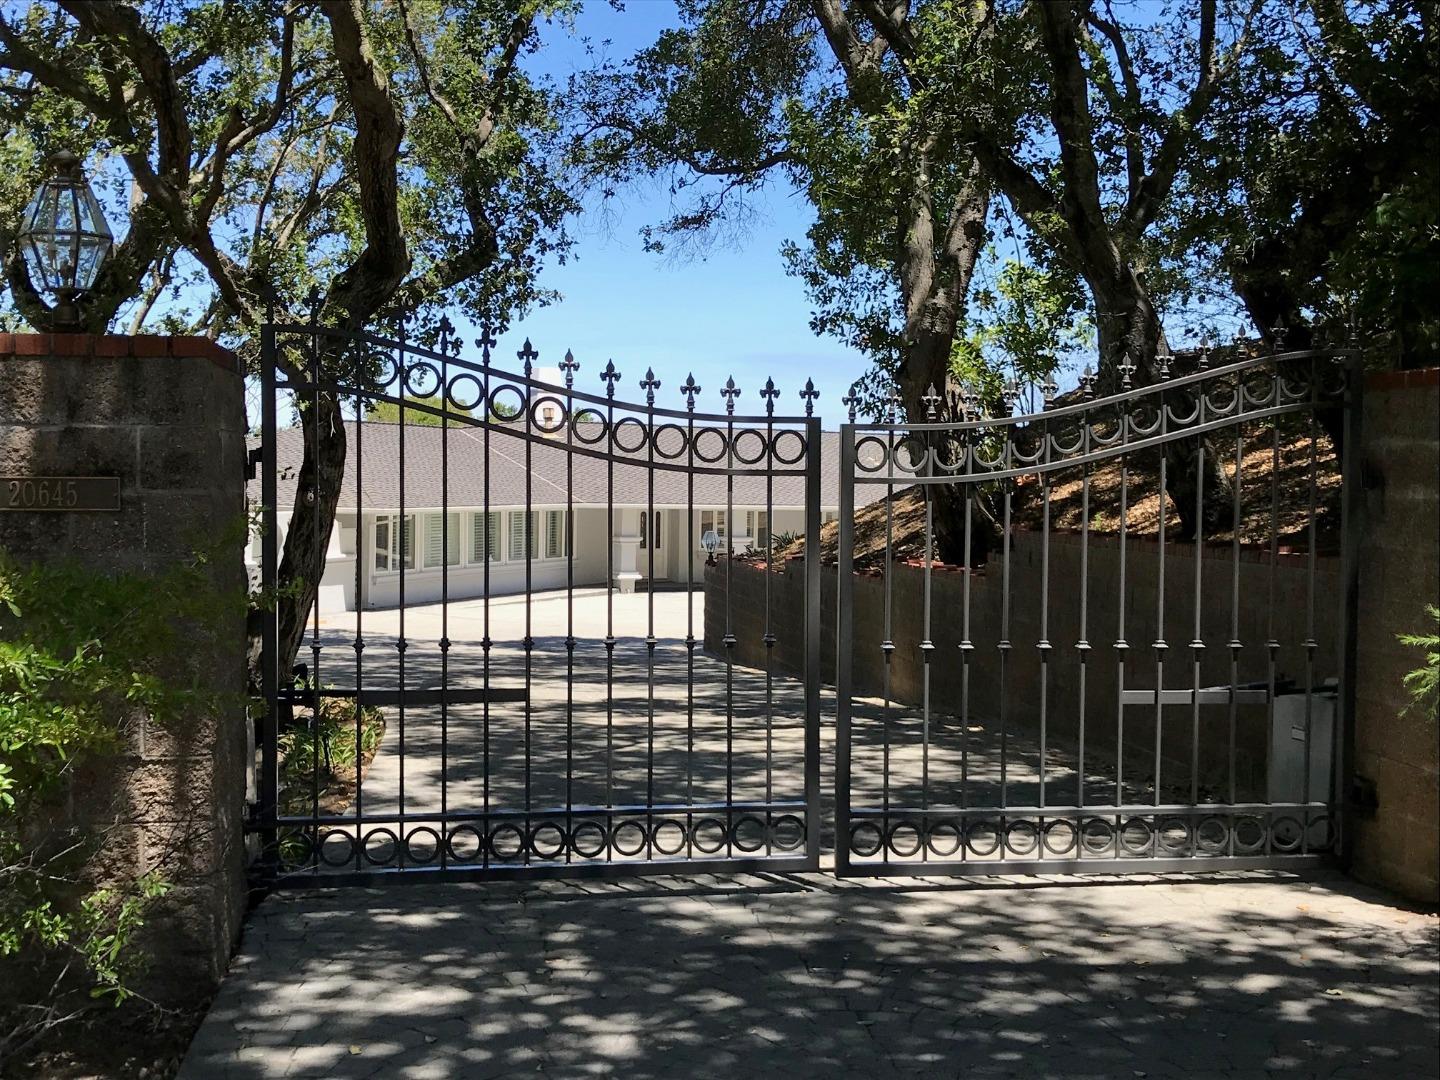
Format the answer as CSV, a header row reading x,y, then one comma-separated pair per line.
x,y
1130,114
362,288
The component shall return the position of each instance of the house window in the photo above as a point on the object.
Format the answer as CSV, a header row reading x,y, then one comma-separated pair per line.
x,y
757,523
394,542
649,536
485,537
438,546
557,534
712,521
828,516
521,538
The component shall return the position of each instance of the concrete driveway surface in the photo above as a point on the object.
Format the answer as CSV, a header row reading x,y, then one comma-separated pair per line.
x,y
1234,975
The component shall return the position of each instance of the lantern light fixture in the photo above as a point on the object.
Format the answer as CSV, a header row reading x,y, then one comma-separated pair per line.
x,y
64,237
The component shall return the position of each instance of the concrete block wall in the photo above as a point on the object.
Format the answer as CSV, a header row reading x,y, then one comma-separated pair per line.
x,y
1060,672
165,416
1396,750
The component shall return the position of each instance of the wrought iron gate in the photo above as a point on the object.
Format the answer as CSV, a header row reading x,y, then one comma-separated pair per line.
x,y
1084,687
467,698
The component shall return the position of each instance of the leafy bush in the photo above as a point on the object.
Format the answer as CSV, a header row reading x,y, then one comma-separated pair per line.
x,y
1424,682
83,658
329,746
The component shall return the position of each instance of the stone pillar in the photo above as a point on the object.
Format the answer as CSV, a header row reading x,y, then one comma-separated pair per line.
x,y
165,417
1398,845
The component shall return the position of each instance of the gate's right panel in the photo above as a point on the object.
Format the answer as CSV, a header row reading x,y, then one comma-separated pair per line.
x,y
1096,633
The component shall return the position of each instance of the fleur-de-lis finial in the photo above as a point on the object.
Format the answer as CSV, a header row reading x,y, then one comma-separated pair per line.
x,y
931,398
1203,362
1048,390
485,342
809,396
1011,394
527,356
895,405
690,389
730,392
769,393
1087,381
1352,331
446,328
1242,347
1162,366
569,366
851,402
649,384
611,377
1127,373
312,301
1277,336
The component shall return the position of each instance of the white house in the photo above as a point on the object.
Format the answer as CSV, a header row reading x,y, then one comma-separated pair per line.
x,y
405,486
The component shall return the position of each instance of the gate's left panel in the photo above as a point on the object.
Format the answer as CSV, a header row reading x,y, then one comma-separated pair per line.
x,y
502,672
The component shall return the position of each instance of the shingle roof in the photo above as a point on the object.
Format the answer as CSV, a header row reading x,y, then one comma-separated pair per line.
x,y
463,451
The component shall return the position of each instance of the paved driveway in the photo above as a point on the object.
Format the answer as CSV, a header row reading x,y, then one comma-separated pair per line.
x,y
800,976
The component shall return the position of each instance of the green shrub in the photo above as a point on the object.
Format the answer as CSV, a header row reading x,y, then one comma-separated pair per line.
x,y
1424,682
83,657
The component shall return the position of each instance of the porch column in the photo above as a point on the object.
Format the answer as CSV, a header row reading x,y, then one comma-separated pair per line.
x,y
627,549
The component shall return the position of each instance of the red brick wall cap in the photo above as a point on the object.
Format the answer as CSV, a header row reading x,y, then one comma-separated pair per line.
x,y
118,345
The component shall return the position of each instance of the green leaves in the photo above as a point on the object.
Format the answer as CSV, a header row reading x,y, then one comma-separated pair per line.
x,y
1423,683
83,658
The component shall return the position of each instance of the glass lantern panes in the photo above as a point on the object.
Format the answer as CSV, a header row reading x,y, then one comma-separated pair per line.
x,y
63,233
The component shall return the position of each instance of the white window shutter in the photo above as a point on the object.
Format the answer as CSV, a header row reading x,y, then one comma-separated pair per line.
x,y
452,553
407,542
492,536
434,540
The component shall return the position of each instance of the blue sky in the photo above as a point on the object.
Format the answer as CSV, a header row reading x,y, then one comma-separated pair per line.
x,y
731,312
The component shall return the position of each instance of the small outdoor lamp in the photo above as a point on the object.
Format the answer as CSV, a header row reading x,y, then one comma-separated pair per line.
x,y
711,543
64,237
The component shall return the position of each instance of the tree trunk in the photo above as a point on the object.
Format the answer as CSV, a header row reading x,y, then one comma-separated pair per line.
x,y
1130,332
303,561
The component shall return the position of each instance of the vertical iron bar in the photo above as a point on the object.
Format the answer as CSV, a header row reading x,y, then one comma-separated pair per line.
x,y
927,648
690,619
1122,647
1197,642
527,356
570,368
1083,645
1235,644
269,780
1159,645
406,554
486,341
1044,645
1272,643
729,624
813,672
610,376
650,535
967,646
844,647
1310,643
360,564
769,636
1350,525
1004,644
887,643
318,570
444,598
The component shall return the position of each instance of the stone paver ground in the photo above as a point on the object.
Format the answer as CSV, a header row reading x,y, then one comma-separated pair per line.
x,y
1239,975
